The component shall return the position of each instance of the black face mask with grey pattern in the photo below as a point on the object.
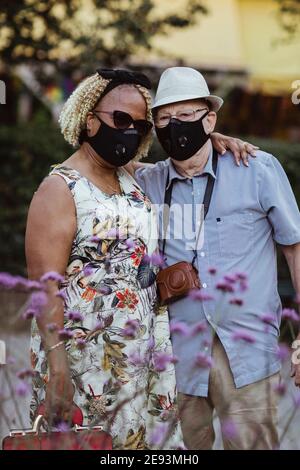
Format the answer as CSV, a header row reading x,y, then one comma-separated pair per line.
x,y
115,146
181,139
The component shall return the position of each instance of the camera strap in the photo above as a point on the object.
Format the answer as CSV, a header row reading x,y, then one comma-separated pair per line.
x,y
206,203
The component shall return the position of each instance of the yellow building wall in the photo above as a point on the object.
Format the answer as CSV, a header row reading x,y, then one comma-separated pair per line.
x,y
237,34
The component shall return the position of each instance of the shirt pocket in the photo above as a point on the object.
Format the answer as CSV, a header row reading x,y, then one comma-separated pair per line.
x,y
236,234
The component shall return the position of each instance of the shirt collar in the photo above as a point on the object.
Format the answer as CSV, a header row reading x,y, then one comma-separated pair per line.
x,y
174,175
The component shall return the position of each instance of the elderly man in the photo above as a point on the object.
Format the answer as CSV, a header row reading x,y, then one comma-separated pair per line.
x,y
229,360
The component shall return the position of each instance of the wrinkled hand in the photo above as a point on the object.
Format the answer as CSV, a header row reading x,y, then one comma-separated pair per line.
x,y
59,397
240,149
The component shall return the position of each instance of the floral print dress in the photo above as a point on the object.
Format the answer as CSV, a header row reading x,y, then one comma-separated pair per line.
x,y
119,335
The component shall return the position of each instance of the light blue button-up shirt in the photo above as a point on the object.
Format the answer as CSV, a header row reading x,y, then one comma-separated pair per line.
x,y
251,210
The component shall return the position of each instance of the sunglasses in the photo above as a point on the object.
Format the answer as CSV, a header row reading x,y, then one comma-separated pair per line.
x,y
123,121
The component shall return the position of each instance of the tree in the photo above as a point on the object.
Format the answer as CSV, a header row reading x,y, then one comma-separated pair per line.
x,y
290,15
51,30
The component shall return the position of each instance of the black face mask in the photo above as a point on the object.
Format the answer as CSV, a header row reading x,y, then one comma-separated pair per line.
x,y
180,139
115,146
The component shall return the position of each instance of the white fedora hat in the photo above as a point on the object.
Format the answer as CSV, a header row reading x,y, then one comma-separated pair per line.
x,y
181,84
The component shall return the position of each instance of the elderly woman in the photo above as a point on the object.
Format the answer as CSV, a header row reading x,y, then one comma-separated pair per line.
x,y
101,343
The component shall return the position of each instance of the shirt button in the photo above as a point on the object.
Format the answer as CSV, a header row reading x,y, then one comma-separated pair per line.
x,y
202,254
204,285
206,348
208,317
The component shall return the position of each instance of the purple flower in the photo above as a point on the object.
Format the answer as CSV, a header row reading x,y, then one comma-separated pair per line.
x,y
212,271
290,314
136,359
243,336
225,287
283,352
157,259
52,276
100,325
236,301
146,259
179,327
241,276
7,281
151,343
197,294
104,290
159,434
74,316
131,328
52,327
199,327
203,361
62,427
229,429
81,344
88,270
297,400
231,278
95,239
22,389
62,294
129,243
113,233
243,286
268,319
36,303
161,360
65,334
25,373
280,389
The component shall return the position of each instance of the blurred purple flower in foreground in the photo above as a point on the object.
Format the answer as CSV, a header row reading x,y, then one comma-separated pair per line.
x,y
179,327
241,335
64,334
52,276
159,434
269,319
7,281
162,360
199,327
283,352
280,389
52,327
290,314
131,328
236,301
203,361
74,316
22,389
229,429
24,373
197,294
35,305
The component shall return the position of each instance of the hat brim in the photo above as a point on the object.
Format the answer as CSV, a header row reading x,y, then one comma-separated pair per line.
x,y
215,101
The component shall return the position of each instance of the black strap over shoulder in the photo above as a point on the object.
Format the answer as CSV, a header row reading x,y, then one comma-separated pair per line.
x,y
206,201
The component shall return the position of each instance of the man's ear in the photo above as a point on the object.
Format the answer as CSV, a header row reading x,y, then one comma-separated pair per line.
x,y
210,122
